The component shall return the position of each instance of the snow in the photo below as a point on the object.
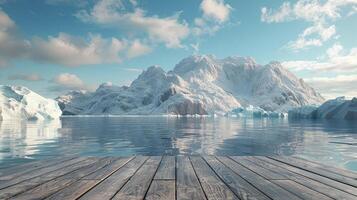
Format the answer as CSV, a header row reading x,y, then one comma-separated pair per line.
x,y
201,85
18,102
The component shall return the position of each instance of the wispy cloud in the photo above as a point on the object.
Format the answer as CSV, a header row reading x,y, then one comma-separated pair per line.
x,y
67,81
168,30
321,15
65,49
336,75
214,14
25,77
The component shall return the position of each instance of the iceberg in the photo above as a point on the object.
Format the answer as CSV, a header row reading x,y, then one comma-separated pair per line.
x,y
18,102
339,108
254,112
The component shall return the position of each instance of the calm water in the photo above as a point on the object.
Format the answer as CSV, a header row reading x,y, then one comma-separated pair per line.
x,y
330,142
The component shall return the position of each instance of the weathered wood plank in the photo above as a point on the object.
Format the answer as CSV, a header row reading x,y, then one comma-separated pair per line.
x,y
187,184
111,185
315,169
237,184
109,169
163,185
78,188
267,174
138,185
289,185
267,187
300,190
46,189
166,169
41,171
74,190
161,189
16,171
33,182
310,180
212,185
329,168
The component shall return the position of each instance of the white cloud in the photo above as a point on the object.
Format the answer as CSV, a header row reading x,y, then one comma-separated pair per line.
x,y
319,14
168,30
334,76
11,45
331,87
137,48
337,60
65,49
67,81
214,14
74,51
216,10
25,77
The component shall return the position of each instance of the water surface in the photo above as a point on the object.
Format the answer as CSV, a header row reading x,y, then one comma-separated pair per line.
x,y
329,142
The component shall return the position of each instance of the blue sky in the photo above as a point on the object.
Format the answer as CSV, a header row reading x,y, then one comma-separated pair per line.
x,y
53,46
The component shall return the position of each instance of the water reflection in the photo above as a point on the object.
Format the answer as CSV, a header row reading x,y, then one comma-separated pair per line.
x,y
332,143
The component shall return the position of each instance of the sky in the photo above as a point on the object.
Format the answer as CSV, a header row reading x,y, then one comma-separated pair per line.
x,y
54,46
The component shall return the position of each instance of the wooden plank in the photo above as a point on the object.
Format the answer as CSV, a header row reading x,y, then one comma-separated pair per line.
x,y
187,184
267,187
138,185
320,184
300,190
166,169
74,190
33,182
78,188
161,189
15,171
237,184
315,169
41,171
329,168
46,189
163,185
267,174
111,185
108,170
212,185
293,187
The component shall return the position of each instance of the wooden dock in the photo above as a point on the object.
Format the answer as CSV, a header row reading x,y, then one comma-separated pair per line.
x,y
180,177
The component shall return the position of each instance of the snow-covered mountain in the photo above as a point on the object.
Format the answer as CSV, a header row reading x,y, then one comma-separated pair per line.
x,y
197,85
18,102
338,108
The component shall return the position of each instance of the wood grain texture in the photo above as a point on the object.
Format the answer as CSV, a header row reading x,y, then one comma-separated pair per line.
x,y
315,169
138,185
187,184
310,180
111,185
28,184
177,177
166,169
212,185
238,185
268,188
161,189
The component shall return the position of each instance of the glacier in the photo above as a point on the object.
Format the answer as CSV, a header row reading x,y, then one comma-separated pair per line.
x,y
17,102
339,108
198,85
